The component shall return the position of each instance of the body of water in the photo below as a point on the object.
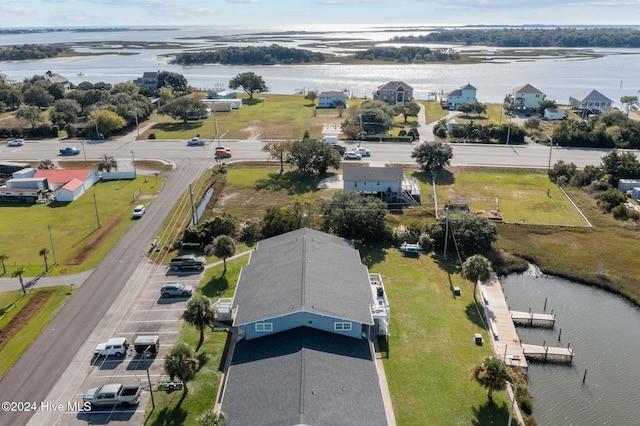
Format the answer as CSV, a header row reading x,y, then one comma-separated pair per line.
x,y
614,74
604,330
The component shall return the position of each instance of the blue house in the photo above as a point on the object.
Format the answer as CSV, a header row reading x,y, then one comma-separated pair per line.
x,y
305,309
331,99
464,95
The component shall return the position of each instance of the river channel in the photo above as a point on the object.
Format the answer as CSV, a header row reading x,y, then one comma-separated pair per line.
x,y
604,331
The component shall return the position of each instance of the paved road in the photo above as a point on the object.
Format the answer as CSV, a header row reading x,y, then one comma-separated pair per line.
x,y
43,363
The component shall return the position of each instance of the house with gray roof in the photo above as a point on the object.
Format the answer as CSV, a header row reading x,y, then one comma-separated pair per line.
x,y
305,309
526,97
590,101
394,92
387,183
55,78
464,95
149,80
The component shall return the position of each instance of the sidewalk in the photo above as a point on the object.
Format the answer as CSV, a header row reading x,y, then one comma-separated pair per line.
x,y
7,283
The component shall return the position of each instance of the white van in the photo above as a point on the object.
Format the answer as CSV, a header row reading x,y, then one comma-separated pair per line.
x,y
330,140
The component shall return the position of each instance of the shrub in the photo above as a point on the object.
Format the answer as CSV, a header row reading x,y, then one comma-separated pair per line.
x,y
152,136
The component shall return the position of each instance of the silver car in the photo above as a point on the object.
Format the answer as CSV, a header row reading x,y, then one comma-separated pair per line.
x,y
350,155
176,289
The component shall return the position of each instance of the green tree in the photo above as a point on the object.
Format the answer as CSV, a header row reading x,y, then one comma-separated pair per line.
x,y
173,81
352,216
476,267
278,150
199,313
532,123
106,121
278,220
183,108
44,252
472,234
10,96
65,111
46,165
37,96
182,363
222,247
611,199
620,165
409,109
312,156
627,101
376,116
107,163
30,113
432,156
19,273
491,374
249,82
225,224
3,257
312,96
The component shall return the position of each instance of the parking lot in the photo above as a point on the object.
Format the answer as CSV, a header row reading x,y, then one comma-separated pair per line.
x,y
139,310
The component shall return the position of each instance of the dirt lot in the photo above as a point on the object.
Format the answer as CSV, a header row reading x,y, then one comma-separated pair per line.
x,y
24,315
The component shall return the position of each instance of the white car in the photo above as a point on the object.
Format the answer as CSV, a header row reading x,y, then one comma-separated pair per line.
x,y
139,211
195,141
350,155
16,142
362,151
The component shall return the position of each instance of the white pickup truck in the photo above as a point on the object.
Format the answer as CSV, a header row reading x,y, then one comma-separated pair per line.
x,y
116,346
112,394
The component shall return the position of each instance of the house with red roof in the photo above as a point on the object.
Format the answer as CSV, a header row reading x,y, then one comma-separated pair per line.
x,y
68,184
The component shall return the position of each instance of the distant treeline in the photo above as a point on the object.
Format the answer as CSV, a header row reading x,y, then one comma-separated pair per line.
x,y
521,37
251,55
408,54
32,51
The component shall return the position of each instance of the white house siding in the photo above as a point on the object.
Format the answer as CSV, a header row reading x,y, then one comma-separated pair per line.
x,y
625,185
117,175
301,319
65,195
553,114
331,99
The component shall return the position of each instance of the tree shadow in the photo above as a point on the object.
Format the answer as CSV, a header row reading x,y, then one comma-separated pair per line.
x,y
293,182
474,315
178,127
450,265
443,177
215,287
490,413
373,253
251,101
170,416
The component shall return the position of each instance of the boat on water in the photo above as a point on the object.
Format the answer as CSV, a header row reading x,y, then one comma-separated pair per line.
x,y
81,74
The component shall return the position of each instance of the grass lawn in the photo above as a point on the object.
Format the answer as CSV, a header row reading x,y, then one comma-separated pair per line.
x,y
26,319
523,196
277,117
78,240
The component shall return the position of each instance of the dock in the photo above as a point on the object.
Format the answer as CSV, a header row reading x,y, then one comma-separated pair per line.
x,y
502,331
532,319
548,353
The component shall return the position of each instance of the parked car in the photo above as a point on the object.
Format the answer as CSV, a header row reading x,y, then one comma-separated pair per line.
x,y
176,289
112,394
223,153
195,141
16,142
116,346
341,149
139,211
350,155
187,261
362,151
70,150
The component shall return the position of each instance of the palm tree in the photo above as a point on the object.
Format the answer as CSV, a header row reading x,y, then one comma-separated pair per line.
x,y
3,257
46,165
43,252
107,162
181,362
199,313
222,247
491,374
18,273
476,268
210,418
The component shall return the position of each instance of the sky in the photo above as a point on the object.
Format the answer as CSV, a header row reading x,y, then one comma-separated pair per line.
x,y
300,13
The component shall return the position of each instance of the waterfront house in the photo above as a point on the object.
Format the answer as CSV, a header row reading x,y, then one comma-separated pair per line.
x,y
387,183
305,313
4,79
526,97
394,92
149,81
590,101
331,99
55,78
464,95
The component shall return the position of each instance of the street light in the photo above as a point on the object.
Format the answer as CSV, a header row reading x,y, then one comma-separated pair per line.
x,y
147,355
550,151
134,163
135,111
84,153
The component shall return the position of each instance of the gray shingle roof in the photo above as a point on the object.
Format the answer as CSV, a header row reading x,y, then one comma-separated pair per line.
x,y
373,173
590,95
303,376
395,86
303,270
527,88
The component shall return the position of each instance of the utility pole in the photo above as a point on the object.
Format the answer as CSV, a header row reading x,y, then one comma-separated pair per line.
x,y
446,229
95,203
194,216
53,249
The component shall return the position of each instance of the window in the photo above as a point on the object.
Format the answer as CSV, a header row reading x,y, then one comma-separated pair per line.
x,y
342,326
355,183
262,327
378,183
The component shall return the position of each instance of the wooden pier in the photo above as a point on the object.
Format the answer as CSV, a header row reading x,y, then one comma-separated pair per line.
x,y
532,319
547,353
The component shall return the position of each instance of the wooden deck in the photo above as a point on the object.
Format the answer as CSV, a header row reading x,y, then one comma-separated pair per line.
x,y
532,319
548,353
502,331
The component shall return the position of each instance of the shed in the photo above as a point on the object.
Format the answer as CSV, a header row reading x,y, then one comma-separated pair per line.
x,y
625,185
554,114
